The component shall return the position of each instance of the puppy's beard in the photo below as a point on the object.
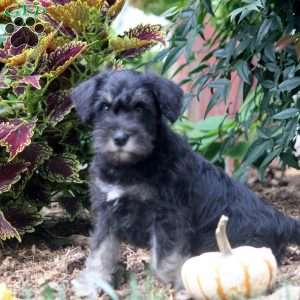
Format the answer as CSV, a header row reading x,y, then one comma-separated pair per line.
x,y
129,153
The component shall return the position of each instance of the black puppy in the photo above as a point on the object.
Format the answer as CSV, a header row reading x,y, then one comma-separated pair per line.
x,y
150,189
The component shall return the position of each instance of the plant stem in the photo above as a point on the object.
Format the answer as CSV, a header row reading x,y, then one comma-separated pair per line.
x,y
221,236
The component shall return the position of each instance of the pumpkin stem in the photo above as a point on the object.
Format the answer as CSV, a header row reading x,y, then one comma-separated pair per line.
x,y
221,236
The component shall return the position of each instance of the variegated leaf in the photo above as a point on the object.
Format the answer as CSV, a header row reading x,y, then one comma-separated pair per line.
x,y
73,15
59,26
35,155
10,173
111,8
19,59
23,216
126,47
137,40
59,59
63,168
58,106
15,135
33,80
7,231
146,32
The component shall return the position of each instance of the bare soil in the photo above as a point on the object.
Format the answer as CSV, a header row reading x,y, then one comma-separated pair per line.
x,y
46,262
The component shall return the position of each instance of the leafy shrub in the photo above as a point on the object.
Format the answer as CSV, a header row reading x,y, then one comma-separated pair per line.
x,y
260,41
47,47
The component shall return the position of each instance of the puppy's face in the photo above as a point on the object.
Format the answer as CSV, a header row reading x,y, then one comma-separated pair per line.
x,y
126,108
126,123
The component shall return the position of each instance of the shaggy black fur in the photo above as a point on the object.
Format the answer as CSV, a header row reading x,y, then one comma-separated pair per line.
x,y
168,198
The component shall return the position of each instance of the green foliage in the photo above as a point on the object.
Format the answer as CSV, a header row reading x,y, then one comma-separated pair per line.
x,y
212,137
44,147
159,6
259,40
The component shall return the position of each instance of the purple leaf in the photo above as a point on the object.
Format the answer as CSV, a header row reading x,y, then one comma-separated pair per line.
x,y
22,216
33,80
58,106
59,26
35,155
59,59
15,135
63,168
10,173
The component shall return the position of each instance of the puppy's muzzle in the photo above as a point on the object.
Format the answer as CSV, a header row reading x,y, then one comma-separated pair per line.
x,y
120,138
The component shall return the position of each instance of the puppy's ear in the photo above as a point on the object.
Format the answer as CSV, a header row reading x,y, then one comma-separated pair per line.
x,y
168,94
83,96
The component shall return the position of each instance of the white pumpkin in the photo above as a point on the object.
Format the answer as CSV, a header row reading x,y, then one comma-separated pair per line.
x,y
238,273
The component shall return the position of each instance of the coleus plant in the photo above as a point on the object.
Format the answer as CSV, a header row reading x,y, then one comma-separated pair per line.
x,y
48,46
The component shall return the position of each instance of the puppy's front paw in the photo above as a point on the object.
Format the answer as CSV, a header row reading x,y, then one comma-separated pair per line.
x,y
89,283
182,295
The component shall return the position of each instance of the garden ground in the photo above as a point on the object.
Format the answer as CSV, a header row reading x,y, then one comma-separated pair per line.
x,y
46,263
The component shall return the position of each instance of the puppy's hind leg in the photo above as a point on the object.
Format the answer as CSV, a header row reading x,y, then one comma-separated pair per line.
x,y
99,266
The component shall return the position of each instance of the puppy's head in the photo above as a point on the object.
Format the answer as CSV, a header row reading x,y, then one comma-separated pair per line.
x,y
126,108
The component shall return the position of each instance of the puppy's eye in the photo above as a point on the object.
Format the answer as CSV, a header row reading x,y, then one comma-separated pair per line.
x,y
105,107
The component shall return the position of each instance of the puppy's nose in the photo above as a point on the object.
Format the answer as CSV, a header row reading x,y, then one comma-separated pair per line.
x,y
121,138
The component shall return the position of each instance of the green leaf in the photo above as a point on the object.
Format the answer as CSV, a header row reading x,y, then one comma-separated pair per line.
x,y
200,83
270,53
243,71
268,84
179,69
185,80
171,58
263,30
289,160
286,114
289,84
269,158
237,151
257,149
221,87
212,102
208,6
198,69
212,124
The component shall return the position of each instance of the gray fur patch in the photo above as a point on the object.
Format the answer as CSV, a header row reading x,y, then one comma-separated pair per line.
x,y
140,192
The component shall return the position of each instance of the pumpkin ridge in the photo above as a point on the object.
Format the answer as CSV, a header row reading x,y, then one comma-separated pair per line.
x,y
201,289
247,284
270,272
220,289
